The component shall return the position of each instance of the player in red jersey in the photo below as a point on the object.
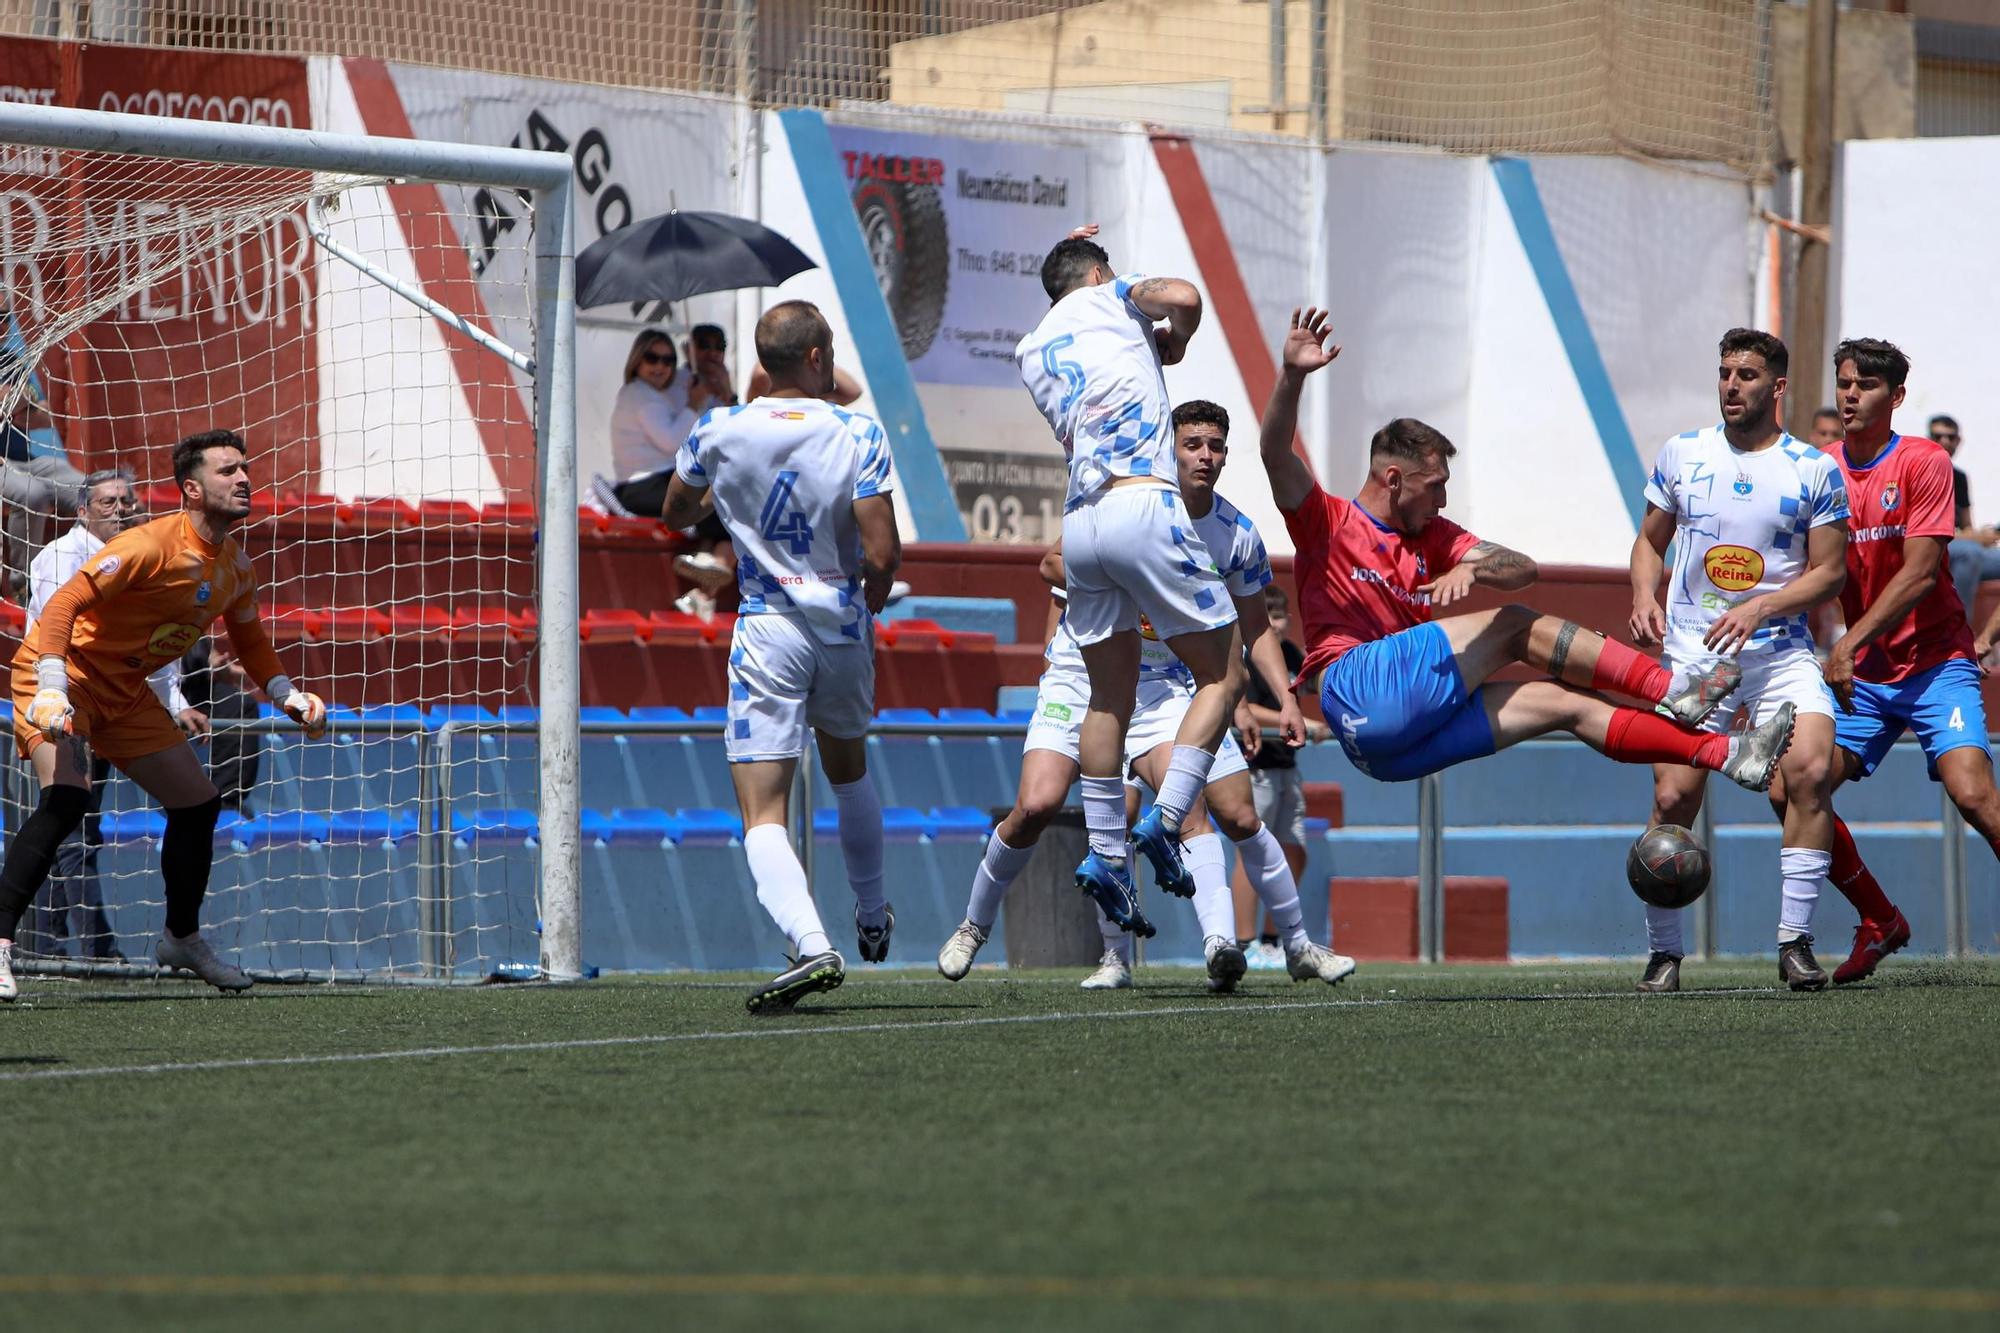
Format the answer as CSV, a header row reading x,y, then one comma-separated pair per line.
x,y
1406,693
1907,659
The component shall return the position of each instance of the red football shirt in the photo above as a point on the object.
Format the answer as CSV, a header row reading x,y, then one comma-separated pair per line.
x,y
1905,492
1358,577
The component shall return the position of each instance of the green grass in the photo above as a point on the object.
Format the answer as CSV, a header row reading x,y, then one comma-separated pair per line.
x,y
1529,1148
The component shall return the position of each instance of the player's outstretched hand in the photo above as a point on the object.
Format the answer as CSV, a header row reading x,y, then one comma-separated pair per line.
x,y
1648,623
49,712
1306,347
308,710
1455,585
1083,233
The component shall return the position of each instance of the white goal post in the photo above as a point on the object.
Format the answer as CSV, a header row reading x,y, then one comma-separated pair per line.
x,y
542,177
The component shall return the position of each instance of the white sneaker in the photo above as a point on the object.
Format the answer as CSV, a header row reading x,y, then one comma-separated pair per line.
x,y
1308,961
704,570
1113,973
955,959
1264,957
694,602
8,990
193,954
1226,964
606,495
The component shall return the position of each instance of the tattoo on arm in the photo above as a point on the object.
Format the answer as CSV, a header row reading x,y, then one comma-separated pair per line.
x,y
1147,288
1559,655
1494,558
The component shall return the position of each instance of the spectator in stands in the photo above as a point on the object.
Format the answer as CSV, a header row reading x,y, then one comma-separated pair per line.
x,y
1278,790
215,681
1827,428
35,489
709,382
1974,552
107,505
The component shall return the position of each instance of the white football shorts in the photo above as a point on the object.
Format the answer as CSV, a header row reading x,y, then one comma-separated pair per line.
x,y
1063,697
783,679
1770,678
1132,551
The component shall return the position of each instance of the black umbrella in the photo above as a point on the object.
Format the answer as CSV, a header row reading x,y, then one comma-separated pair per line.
x,y
678,255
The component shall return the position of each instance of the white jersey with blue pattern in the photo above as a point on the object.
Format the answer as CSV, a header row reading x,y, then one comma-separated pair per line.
x,y
1232,539
1094,371
1742,521
785,473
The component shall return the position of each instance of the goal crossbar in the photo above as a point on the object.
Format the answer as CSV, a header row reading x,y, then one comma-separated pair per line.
x,y
548,176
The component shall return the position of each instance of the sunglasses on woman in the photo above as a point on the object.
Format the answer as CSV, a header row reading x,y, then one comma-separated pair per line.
x,y
659,358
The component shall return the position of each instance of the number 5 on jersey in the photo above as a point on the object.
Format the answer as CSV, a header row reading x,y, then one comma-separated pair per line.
x,y
780,521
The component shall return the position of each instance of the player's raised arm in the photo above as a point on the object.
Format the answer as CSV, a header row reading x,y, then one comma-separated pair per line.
x,y
1305,350
110,571
260,660
1174,300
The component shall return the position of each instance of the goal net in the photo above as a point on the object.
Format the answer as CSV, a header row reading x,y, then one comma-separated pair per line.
x,y
338,304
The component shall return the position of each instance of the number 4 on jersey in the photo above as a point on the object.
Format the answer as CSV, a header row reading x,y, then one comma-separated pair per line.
x,y
780,522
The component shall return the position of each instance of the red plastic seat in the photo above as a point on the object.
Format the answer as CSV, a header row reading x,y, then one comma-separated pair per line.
x,y
614,625
354,622
286,623
381,513
447,513
13,619
633,528
419,620
494,621
513,513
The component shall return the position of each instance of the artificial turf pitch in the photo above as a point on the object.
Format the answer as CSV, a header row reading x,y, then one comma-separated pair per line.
x,y
1505,1148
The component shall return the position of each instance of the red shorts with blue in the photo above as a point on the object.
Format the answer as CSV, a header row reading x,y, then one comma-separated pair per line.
x,y
1942,705
1400,706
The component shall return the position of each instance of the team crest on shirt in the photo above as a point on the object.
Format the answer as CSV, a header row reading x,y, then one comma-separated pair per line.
x,y
1423,569
107,566
1743,486
1891,494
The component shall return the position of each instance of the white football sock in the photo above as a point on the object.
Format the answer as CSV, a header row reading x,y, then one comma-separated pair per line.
x,y
1114,938
1663,930
1104,815
1213,905
782,888
1000,867
1187,774
1804,869
861,848
1271,875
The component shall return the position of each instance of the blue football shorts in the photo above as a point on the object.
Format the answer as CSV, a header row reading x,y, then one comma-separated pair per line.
x,y
1942,705
1401,709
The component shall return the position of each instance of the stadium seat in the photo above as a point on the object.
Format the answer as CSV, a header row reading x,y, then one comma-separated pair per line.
x,y
283,826
513,513
659,713
420,621
960,822
614,625
964,719
380,513
133,826
630,826
288,624
363,623
447,513
439,714
709,827
498,825
494,621
370,825
13,619
401,715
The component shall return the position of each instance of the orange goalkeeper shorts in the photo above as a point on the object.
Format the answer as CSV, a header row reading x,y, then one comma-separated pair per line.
x,y
122,733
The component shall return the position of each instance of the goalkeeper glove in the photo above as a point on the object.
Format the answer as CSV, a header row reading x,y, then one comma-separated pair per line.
x,y
308,710
49,711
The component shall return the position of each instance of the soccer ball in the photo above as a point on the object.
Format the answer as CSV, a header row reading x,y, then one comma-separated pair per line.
x,y
1667,867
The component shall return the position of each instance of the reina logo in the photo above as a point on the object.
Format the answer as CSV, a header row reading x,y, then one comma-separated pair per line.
x,y
1733,568
1891,495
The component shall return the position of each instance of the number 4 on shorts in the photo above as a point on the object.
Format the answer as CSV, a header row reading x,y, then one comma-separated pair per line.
x,y
780,522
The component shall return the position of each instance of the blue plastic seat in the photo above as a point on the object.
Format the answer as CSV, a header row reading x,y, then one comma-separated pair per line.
x,y
658,713
919,716
1015,716
593,715
439,714
525,714
284,826
904,823
133,826
708,827
644,825
952,822
966,719
401,714
711,713
500,825
370,825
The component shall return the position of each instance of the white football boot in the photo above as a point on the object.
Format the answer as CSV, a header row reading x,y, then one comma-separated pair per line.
x,y
1113,972
955,958
8,990
193,954
1308,962
1226,964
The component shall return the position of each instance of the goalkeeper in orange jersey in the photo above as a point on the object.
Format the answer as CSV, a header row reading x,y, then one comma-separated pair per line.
x,y
142,601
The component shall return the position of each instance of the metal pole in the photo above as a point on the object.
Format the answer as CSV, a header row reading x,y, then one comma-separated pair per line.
x,y
1430,868
442,313
430,847
1809,369
1705,925
1277,98
1316,77
561,813
1956,941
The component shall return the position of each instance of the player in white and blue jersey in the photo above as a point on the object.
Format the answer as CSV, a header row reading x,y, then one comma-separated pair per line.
x,y
1130,551
1166,690
1758,520
804,489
